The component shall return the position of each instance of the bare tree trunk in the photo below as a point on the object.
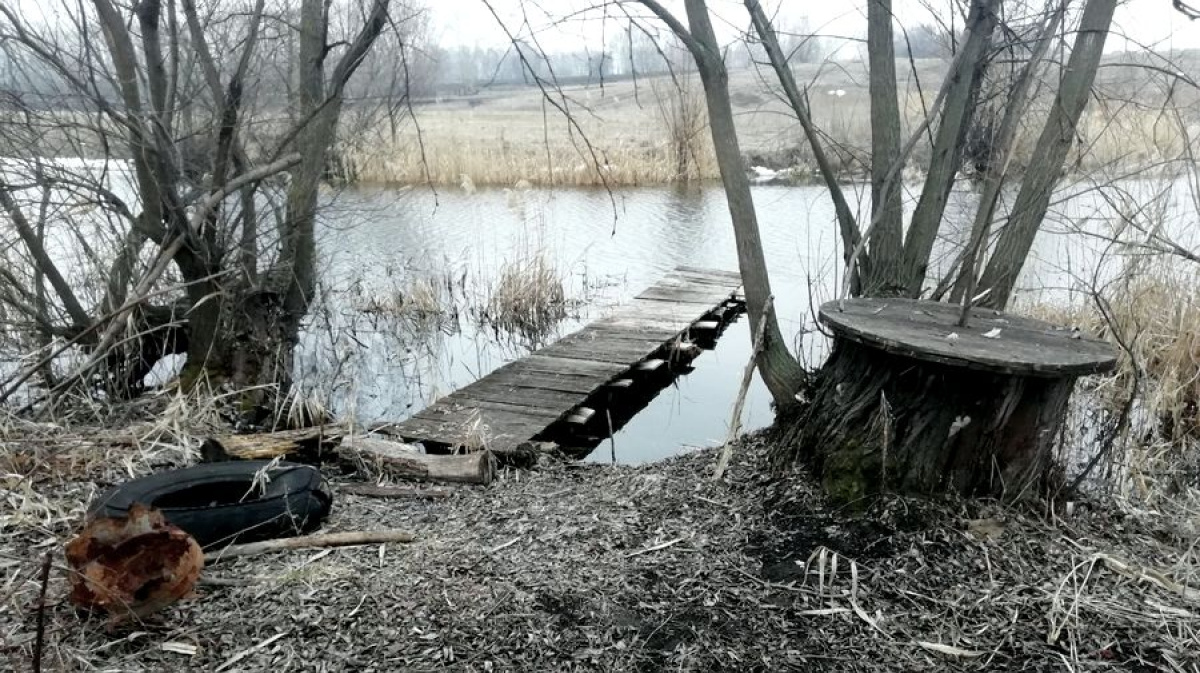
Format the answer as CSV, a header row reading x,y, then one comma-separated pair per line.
x,y
847,225
1046,166
780,372
887,238
42,258
318,116
947,149
967,266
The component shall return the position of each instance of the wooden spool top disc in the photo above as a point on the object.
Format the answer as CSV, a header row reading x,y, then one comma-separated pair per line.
x,y
928,330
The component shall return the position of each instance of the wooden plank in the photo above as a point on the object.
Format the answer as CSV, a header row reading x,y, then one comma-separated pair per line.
x,y
922,329
601,333
497,427
696,284
673,307
715,273
707,282
501,435
679,285
610,332
490,390
702,297
379,457
265,445
640,323
563,383
540,362
614,340
653,311
463,408
616,353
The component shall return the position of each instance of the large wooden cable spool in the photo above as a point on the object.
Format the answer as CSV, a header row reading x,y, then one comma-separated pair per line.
x,y
910,401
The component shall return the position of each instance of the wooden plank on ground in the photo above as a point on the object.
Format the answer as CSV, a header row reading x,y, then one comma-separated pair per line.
x,y
498,433
266,445
382,458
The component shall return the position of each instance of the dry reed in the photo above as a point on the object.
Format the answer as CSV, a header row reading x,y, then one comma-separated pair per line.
x,y
1157,316
656,132
420,298
529,295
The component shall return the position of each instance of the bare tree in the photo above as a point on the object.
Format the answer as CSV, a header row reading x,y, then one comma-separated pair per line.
x,y
1047,165
888,257
190,160
885,255
779,370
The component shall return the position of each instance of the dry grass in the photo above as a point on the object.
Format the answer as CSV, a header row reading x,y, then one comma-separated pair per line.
x,y
653,568
1126,138
656,132
419,297
1157,316
455,151
529,295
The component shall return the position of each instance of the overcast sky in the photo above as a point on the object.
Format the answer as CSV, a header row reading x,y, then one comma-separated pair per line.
x,y
469,22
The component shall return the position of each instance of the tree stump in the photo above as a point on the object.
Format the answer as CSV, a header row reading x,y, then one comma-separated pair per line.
x,y
913,403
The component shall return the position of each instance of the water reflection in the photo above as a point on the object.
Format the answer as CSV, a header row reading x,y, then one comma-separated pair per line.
x,y
375,242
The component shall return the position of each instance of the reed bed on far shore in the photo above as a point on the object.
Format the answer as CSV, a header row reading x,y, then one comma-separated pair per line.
x,y
617,138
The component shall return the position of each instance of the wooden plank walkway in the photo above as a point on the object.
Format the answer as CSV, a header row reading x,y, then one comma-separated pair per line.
x,y
518,401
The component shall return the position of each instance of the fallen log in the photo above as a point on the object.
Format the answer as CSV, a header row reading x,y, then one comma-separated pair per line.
x,y
348,539
378,491
383,458
312,442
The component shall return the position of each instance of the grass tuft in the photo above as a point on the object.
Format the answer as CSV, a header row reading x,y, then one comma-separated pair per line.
x,y
529,295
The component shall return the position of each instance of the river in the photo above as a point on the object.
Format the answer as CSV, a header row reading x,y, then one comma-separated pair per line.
x,y
375,242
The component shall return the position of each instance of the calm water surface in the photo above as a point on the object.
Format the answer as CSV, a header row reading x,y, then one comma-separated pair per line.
x,y
376,243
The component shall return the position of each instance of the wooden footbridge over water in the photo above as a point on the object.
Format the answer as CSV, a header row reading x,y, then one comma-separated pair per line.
x,y
572,384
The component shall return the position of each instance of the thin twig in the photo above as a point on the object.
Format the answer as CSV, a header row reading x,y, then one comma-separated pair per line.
x,y
348,539
735,424
40,638
657,547
377,491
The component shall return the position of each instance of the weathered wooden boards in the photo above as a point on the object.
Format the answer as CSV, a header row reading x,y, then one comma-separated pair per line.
x,y
991,341
516,402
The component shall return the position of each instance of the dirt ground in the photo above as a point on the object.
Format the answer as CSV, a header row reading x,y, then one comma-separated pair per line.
x,y
571,566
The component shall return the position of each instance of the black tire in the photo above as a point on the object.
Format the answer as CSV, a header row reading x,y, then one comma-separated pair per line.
x,y
216,504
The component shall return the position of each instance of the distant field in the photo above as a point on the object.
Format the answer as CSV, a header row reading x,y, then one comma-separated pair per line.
x,y
501,137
